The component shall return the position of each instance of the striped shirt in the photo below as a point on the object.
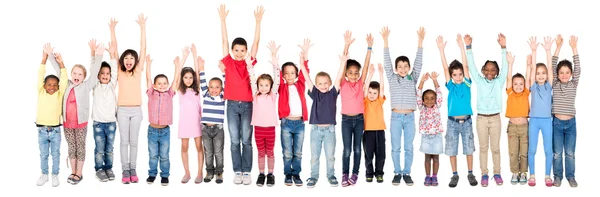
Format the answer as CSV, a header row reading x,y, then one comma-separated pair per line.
x,y
563,98
403,90
213,107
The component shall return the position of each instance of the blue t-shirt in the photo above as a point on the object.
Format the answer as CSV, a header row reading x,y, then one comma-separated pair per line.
x,y
459,98
323,106
541,100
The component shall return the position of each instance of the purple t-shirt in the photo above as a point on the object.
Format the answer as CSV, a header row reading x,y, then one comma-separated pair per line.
x,y
323,106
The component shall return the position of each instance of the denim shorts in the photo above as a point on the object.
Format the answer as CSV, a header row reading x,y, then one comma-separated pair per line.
x,y
464,127
432,144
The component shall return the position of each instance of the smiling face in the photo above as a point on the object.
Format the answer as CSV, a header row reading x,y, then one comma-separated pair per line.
x,y
373,94
51,85
352,73
77,74
457,76
429,98
239,51
323,83
290,74
541,74
564,74
264,86
402,68
161,83
104,75
129,62
518,84
214,87
490,70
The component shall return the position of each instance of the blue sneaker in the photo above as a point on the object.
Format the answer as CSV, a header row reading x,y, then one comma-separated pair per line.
x,y
333,181
311,182
297,180
288,180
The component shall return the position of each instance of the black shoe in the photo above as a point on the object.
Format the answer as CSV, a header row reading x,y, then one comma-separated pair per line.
x,y
261,180
297,180
270,180
219,178
408,180
472,180
369,179
453,181
164,181
150,179
379,178
288,180
397,179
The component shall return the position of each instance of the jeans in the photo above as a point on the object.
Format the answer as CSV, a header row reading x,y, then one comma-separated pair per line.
x,y
459,128
104,137
352,131
322,137
158,147
564,138
535,125
402,124
49,141
292,138
213,140
239,116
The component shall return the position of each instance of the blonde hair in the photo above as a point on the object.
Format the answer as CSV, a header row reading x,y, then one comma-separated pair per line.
x,y
323,74
82,68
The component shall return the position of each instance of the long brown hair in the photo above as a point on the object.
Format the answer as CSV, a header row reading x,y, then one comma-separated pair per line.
x,y
182,87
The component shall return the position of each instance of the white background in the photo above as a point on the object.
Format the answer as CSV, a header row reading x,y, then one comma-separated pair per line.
x,y
171,25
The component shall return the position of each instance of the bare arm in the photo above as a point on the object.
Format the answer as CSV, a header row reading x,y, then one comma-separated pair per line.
x,y
366,85
258,14
348,40
113,37
223,12
340,74
547,47
149,72
309,82
531,70
367,58
142,22
463,55
381,80
510,59
441,46
176,75
559,42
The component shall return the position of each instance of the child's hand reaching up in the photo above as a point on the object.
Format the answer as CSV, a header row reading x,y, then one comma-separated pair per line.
x,y
371,69
510,58
502,40
380,69
468,40
200,63
434,75
425,77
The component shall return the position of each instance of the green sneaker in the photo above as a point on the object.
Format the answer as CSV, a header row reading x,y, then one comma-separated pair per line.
x,y
379,178
369,179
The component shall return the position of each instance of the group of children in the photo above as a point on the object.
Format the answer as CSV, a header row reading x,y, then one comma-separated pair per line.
x,y
255,103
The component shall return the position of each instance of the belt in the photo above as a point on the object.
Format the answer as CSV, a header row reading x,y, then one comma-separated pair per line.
x,y
459,120
488,115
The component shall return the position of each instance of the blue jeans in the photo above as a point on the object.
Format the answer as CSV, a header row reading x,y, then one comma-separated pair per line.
x,y
158,147
322,137
564,138
104,137
402,124
535,125
352,131
292,138
239,116
49,141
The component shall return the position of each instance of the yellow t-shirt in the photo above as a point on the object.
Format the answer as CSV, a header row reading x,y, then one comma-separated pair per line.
x,y
374,114
49,106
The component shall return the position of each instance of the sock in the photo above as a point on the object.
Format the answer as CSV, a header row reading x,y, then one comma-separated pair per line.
x,y
434,175
427,176
262,173
270,173
470,171
455,173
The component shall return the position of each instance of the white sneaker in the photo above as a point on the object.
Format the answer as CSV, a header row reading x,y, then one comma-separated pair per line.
x,y
237,179
246,178
42,180
55,181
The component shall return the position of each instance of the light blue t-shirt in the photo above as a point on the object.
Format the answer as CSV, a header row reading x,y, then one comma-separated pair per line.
x,y
459,98
541,100
489,92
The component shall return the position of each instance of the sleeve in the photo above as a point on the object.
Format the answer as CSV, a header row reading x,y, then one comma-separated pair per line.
x,y
469,82
313,92
576,70
418,65
554,72
64,81
301,75
420,99
276,73
92,81
472,68
150,91
448,86
54,63
203,82
508,91
439,97
113,72
387,64
504,70
526,92
382,100
41,76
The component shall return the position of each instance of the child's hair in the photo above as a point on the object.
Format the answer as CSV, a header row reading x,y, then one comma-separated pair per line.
x,y
495,65
51,77
518,75
216,79
375,86
290,64
265,77
564,63
194,86
239,41
82,68
105,65
455,65
351,63
122,60
160,76
323,74
402,59
428,91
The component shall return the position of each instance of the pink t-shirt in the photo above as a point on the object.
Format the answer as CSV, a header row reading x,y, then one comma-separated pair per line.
x,y
160,106
71,120
264,110
352,97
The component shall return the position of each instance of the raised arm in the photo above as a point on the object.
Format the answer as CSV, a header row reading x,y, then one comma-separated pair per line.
x,y
424,78
463,55
223,12
149,72
559,42
276,73
305,47
576,63
418,63
547,47
340,74
504,68
195,59
441,46
387,61
142,22
510,59
367,58
471,61
95,64
531,70
533,44
64,80
253,81
309,82
202,77
381,80
348,40
366,85
53,58
42,69
438,92
113,38
277,76
176,74
258,14
114,62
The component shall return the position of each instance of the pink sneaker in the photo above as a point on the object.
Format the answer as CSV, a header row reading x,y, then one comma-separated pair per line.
x,y
126,180
484,180
548,182
531,182
134,178
498,179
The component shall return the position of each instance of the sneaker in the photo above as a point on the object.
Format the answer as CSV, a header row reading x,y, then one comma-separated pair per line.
x,y
246,179
261,180
164,181
397,179
548,181
219,179
472,179
557,182
42,180
55,181
333,181
407,179
101,175
237,179
434,181
288,180
345,180
572,182
353,179
297,180
498,179
311,182
126,177
270,180
454,181
427,181
484,180
134,178
369,179
150,179
185,179
110,174
198,179
523,179
531,181
515,179
208,177
379,178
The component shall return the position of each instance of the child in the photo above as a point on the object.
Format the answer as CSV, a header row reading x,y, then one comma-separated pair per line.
x,y
489,106
104,115
404,103
352,92
49,105
293,113
160,116
517,110
563,108
212,122
76,104
239,104
374,136
430,126
189,113
322,118
458,83
129,100
540,117
264,118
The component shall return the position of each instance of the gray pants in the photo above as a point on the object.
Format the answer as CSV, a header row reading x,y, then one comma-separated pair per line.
x,y
129,120
213,139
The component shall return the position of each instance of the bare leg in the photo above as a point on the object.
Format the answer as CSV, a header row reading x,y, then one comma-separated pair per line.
x,y
200,150
427,164
436,163
184,156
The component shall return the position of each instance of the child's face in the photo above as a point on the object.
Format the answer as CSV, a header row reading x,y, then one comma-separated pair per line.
x,y
352,74
104,75
77,75
402,68
564,74
129,61
239,51
289,74
518,84
188,79
457,76
429,100
264,86
161,84
214,88
323,84
541,75
51,86
490,71
373,94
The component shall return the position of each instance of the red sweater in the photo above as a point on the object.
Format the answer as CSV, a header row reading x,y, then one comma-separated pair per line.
x,y
238,80
284,95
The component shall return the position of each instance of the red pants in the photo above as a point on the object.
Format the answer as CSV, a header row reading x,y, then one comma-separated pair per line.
x,y
265,142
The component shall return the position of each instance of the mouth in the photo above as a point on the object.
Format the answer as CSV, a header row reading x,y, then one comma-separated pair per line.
x,y
76,80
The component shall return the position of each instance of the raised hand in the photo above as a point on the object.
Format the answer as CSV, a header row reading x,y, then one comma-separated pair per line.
x,y
425,77
502,40
112,50
440,42
459,41
273,48
185,51
421,34
149,61
248,60
113,23
92,44
468,40
194,51
385,33
223,12
573,41
141,20
547,43
559,40
344,58
58,57
258,13
369,40
533,44
510,58
434,75
99,49
371,68
380,68
48,49
305,48
348,37
200,63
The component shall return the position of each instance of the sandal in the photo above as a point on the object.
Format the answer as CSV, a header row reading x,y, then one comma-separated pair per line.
x,y
70,178
76,181
185,179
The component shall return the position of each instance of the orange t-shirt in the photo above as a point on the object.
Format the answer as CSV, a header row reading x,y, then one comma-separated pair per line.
x,y
374,114
517,104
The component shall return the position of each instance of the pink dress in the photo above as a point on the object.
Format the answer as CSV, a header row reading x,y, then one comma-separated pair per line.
x,y
189,114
